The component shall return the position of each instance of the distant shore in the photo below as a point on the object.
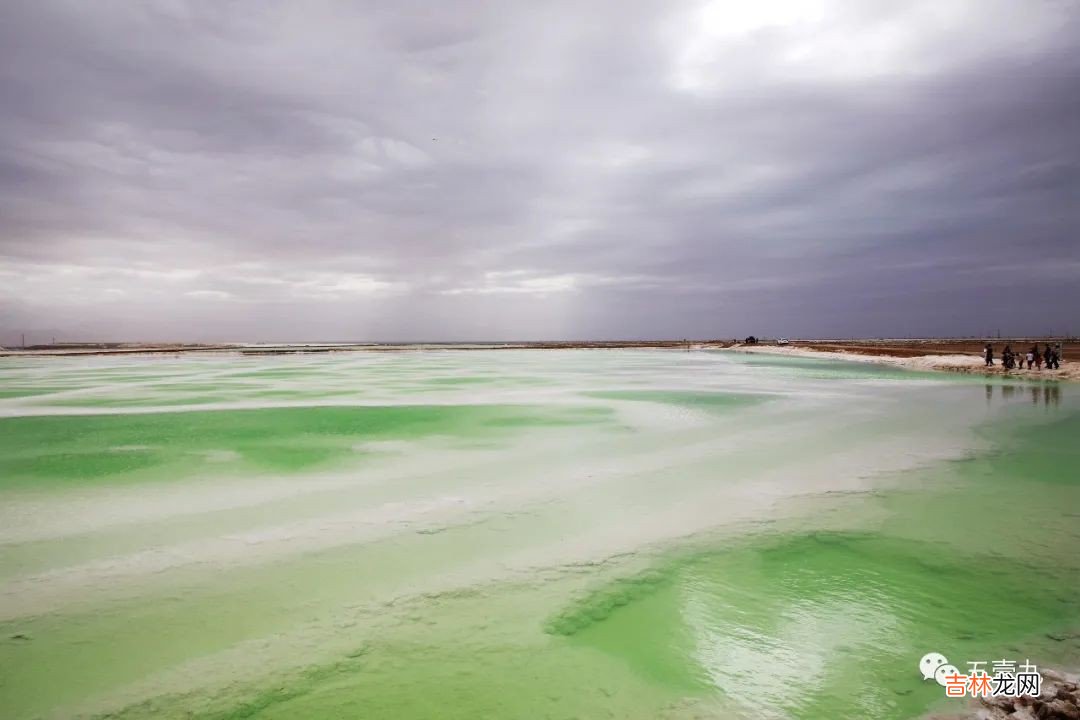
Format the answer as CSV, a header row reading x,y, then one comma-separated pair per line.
x,y
962,355
69,349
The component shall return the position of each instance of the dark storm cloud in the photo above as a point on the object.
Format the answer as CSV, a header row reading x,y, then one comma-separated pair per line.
x,y
207,170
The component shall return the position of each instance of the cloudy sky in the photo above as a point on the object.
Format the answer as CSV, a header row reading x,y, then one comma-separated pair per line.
x,y
403,170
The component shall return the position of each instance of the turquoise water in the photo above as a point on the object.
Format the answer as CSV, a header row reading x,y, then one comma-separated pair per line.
x,y
523,534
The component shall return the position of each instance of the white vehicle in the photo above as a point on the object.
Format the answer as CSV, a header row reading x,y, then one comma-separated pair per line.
x,y
782,341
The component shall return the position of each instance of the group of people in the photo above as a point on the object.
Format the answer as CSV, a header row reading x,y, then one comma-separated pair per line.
x,y
1051,357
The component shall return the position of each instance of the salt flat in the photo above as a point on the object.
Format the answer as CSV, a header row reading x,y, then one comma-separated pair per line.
x,y
516,533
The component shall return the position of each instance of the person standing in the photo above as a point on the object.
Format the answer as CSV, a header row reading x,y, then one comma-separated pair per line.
x,y
988,353
1030,358
1007,357
1058,350
1048,357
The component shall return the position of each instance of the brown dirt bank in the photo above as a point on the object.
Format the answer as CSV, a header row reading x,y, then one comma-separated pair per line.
x,y
952,346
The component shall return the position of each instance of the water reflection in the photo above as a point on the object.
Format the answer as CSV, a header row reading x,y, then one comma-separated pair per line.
x,y
822,625
1047,394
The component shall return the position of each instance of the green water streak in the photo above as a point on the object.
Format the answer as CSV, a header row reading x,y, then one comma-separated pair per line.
x,y
68,449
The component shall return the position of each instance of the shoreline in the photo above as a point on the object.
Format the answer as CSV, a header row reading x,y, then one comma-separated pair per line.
x,y
956,363
938,355
312,348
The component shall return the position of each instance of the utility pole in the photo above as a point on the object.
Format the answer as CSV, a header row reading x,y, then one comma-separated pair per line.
x,y
24,341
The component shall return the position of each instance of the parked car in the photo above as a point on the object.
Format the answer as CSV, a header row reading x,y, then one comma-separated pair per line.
x,y
782,341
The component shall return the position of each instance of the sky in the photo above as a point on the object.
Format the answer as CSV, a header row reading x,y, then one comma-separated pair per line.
x,y
406,171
